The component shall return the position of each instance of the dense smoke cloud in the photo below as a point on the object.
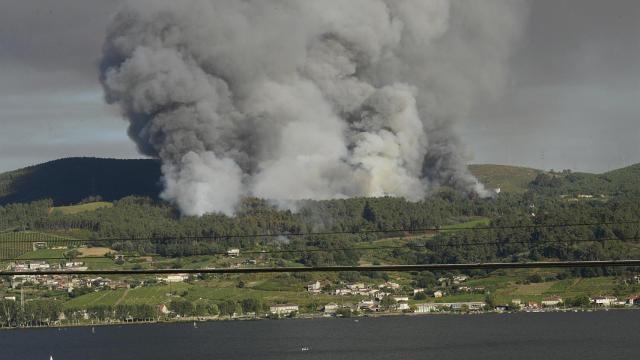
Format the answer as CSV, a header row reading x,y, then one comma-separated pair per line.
x,y
286,99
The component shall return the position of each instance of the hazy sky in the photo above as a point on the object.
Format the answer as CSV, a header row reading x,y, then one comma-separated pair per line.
x,y
573,99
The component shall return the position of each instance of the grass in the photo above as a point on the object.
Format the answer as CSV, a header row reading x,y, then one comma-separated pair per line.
x,y
507,178
474,222
43,253
74,209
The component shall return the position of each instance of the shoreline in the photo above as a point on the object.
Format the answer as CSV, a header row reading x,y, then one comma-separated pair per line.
x,y
312,317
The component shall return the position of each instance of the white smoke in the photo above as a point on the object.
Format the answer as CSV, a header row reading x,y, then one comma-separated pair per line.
x,y
296,99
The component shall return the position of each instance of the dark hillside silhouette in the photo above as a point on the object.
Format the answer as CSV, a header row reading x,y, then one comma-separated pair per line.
x,y
70,180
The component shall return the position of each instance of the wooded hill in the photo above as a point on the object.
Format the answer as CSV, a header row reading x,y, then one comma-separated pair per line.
x,y
71,180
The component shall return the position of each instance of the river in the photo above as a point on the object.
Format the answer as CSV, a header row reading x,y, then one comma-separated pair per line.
x,y
583,335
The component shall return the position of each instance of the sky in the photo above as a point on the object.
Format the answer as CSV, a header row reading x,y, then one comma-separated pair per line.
x,y
573,98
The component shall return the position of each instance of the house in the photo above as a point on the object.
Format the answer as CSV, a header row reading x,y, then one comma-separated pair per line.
x,y
162,309
174,278
418,290
552,301
10,298
459,278
401,298
532,305
39,245
469,305
71,264
633,300
342,292
402,306
368,305
457,306
390,285
283,309
314,288
356,286
39,265
426,308
438,294
330,308
233,252
604,300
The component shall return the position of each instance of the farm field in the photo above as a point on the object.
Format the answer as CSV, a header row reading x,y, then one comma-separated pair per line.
x,y
75,209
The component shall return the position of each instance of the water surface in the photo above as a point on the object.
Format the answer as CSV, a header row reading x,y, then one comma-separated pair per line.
x,y
598,335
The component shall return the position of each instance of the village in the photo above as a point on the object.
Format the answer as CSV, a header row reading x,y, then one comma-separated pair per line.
x,y
348,299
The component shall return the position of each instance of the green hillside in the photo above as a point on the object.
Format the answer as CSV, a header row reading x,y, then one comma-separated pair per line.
x,y
621,181
507,178
69,181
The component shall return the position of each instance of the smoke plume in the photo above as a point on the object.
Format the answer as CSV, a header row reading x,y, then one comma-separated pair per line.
x,y
288,99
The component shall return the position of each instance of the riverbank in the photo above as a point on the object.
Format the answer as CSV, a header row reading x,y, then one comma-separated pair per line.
x,y
198,320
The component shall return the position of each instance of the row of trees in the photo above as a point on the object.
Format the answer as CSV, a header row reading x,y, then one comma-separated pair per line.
x,y
33,313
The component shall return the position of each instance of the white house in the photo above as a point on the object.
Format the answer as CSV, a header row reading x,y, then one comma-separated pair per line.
x,y
418,290
283,309
401,298
390,285
233,252
174,278
604,300
330,308
39,265
403,306
438,294
552,301
426,308
314,288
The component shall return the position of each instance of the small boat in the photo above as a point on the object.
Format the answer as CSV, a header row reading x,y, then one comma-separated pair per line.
x,y
305,348
93,330
195,326
50,357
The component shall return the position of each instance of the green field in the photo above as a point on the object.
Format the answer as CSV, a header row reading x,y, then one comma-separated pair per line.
x,y
507,178
74,209
475,222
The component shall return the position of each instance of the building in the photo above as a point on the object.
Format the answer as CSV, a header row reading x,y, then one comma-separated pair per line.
x,y
390,285
418,290
283,309
552,301
330,308
402,306
175,278
604,300
438,294
426,308
39,245
70,264
314,288
233,252
39,265
457,306
162,309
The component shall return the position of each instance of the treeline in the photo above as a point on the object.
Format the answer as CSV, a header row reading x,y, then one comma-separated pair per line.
x,y
34,313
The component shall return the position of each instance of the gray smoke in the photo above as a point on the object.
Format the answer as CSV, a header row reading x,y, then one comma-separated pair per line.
x,y
287,99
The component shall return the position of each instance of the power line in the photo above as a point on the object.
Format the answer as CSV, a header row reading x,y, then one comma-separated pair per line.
x,y
397,268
